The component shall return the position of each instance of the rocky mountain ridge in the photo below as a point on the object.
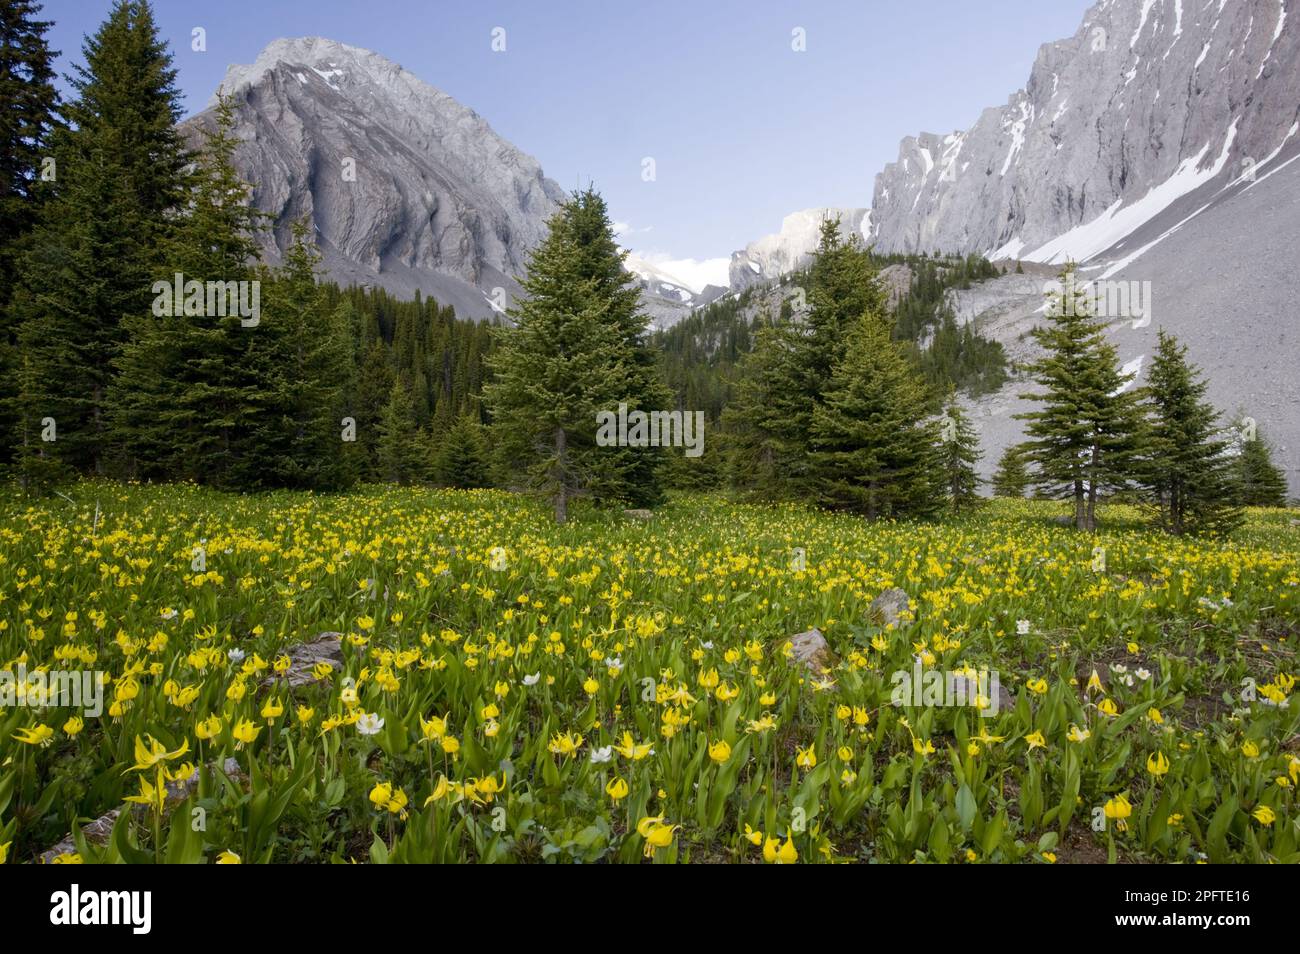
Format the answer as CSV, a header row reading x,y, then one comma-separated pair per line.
x,y
1147,102
404,187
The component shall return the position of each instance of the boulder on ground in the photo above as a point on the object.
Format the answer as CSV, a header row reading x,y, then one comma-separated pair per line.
x,y
811,650
327,647
891,608
969,689
100,830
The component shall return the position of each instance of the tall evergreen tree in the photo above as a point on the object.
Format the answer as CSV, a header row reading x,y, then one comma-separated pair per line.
x,y
761,448
1258,481
705,472
842,288
374,388
1011,479
873,451
311,373
28,117
1084,438
569,356
463,455
632,474
120,178
401,448
194,389
1185,467
790,371
958,452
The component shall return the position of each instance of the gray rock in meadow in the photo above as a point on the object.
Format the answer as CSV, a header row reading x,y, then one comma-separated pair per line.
x,y
811,650
889,608
969,688
99,830
303,658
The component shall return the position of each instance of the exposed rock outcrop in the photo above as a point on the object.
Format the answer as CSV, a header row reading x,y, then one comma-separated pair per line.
x,y
404,187
1148,100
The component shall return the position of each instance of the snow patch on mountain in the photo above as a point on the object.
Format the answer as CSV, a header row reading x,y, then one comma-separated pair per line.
x,y
1083,242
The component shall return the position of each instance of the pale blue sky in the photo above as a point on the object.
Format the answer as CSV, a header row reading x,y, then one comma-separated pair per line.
x,y
742,128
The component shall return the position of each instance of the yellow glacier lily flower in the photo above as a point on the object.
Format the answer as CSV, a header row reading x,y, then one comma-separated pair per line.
x,y
616,789
37,735
776,853
150,753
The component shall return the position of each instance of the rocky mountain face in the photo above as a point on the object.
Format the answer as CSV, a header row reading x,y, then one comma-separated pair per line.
x,y
1147,102
790,249
405,187
1160,147
1222,278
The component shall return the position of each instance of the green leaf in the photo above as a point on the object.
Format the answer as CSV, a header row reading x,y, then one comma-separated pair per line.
x,y
966,808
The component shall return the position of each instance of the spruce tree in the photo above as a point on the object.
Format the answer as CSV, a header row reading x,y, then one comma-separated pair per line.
x,y
872,447
311,375
195,390
1011,479
631,474
120,178
28,117
789,373
1084,438
567,357
374,388
705,472
762,448
1258,481
958,452
463,456
842,288
400,447
1185,466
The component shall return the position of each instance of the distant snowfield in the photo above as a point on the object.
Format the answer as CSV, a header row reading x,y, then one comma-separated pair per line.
x,y
693,274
